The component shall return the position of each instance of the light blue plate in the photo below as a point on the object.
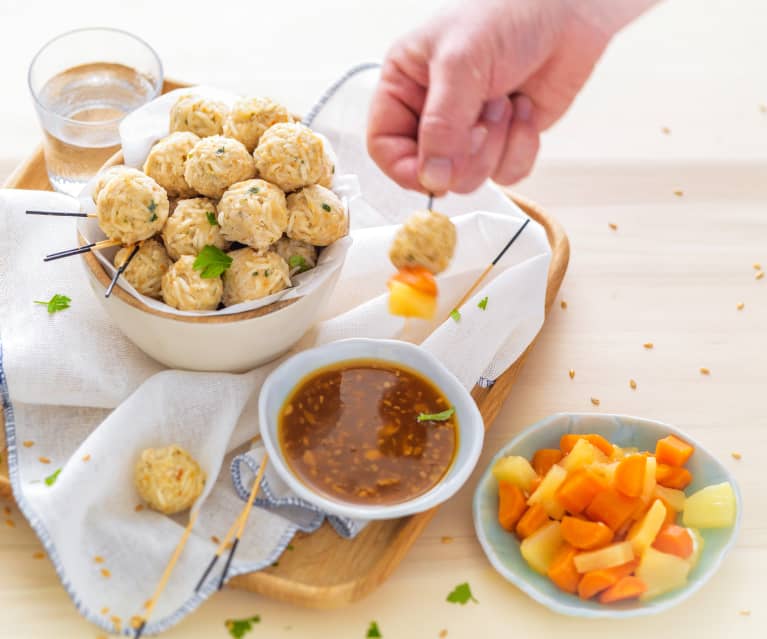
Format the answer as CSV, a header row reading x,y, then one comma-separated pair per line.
x,y
502,548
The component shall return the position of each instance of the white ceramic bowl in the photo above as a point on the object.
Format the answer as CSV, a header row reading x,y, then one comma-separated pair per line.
x,y
283,380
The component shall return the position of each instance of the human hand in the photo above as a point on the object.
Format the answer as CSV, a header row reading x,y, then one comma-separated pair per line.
x,y
466,96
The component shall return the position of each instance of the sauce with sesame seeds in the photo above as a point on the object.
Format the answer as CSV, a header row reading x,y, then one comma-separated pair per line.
x,y
350,431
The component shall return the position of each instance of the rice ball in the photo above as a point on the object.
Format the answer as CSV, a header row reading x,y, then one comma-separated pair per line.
x,y
131,207
199,115
165,163
290,155
193,225
168,479
146,269
250,117
300,256
316,216
426,239
253,212
254,275
185,289
217,162
107,175
328,172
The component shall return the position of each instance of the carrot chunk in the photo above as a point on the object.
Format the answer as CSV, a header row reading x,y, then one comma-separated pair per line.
x,y
673,451
629,475
594,582
417,277
674,540
533,519
579,489
625,588
567,442
511,504
585,535
612,508
673,476
544,459
562,569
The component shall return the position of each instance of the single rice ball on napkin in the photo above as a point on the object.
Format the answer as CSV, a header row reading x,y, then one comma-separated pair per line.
x,y
316,216
254,275
193,225
165,163
217,162
201,116
250,117
132,207
168,479
300,256
147,268
185,289
290,155
253,212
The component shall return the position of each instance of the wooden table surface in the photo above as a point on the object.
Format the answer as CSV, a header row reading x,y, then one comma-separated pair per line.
x,y
672,274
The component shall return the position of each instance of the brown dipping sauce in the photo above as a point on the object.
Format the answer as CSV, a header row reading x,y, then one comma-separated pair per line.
x,y
351,432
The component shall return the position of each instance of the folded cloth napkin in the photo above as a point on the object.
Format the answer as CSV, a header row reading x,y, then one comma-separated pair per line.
x,y
79,397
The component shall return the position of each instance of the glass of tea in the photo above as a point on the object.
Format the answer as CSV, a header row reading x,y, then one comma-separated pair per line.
x,y
84,83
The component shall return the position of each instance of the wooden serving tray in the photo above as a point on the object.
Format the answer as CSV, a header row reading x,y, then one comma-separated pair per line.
x,y
326,571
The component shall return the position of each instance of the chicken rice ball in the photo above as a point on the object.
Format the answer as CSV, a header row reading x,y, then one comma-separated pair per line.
x,y
201,116
107,175
290,155
426,239
250,117
168,479
165,163
185,289
132,207
328,172
316,216
253,212
193,225
217,162
254,275
146,269
300,256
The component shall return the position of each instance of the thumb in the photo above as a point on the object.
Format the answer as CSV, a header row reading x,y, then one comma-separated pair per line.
x,y
454,101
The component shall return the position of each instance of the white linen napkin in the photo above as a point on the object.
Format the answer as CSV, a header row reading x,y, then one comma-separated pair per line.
x,y
77,393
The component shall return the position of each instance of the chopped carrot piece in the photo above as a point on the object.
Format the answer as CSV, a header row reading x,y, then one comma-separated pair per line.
x,y
612,508
673,476
629,475
594,582
674,540
626,588
562,569
417,277
567,442
533,519
673,451
585,535
544,459
511,504
579,489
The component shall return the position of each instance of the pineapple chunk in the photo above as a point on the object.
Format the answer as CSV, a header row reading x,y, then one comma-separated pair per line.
x,y
649,480
583,454
675,499
515,470
607,557
661,572
710,507
605,470
407,301
540,548
643,533
617,453
545,494
697,547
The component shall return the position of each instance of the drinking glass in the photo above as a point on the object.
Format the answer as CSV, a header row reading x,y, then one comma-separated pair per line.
x,y
83,83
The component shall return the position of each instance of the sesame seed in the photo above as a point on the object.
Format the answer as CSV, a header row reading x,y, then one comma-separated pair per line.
x,y
704,371
28,443
215,539
740,306
105,610
679,192
98,559
757,266
138,507
759,275
9,523
571,373
736,455
446,539
442,634
7,510
44,460
86,458
147,603
665,130
595,401
38,554
105,572
633,384
648,345
744,613
563,305
613,226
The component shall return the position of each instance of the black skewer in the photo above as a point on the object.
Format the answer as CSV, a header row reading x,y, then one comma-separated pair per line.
x,y
121,270
431,202
81,249
510,242
140,630
61,214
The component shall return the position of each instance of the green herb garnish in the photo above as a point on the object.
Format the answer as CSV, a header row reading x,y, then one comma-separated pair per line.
x,y
255,273
211,262
373,630
483,303
326,207
461,594
51,479
153,217
290,547
56,303
436,417
152,206
211,218
253,190
266,273
456,315
220,150
238,628
299,262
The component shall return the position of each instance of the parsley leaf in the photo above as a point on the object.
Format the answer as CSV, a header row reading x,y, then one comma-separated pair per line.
x,y
373,630
436,417
326,207
153,217
456,315
56,303
152,206
211,218
220,150
211,262
483,303
253,190
51,479
290,547
266,273
238,628
299,262
461,595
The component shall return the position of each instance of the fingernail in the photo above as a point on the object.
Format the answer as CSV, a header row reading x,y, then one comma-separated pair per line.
x,y
436,173
478,137
494,110
523,108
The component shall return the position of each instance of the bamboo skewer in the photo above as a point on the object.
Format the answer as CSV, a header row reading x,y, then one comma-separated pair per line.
x,y
62,214
121,270
93,246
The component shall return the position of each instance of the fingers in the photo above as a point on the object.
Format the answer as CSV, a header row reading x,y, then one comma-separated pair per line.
x,y
522,143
